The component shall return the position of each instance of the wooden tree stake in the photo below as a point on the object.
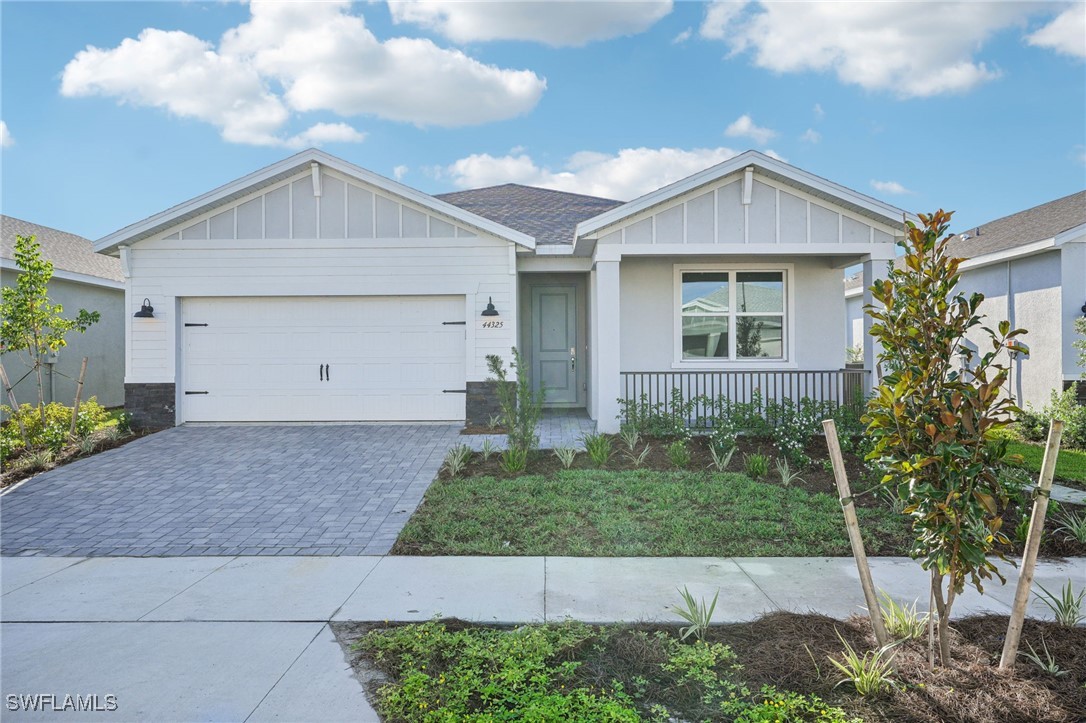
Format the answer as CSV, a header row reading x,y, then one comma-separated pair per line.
x,y
14,402
1033,542
854,537
78,395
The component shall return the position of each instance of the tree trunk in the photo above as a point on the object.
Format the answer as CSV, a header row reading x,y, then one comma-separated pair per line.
x,y
41,390
942,606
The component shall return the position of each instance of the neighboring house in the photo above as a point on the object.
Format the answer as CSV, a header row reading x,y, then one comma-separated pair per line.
x,y
1031,268
314,290
82,279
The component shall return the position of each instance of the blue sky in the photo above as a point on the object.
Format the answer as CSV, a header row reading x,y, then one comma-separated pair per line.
x,y
115,111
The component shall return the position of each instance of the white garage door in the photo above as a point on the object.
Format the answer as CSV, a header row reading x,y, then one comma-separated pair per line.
x,y
297,359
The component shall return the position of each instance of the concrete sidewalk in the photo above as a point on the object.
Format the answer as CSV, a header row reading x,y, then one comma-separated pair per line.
x,y
247,638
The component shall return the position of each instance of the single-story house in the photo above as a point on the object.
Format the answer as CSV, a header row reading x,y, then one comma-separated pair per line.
x,y
315,290
1031,268
82,279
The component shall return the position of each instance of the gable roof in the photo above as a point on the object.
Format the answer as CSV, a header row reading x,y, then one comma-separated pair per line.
x,y
68,252
299,162
1040,223
548,215
771,168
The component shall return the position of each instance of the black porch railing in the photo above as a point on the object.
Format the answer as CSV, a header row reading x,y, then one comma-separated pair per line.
x,y
834,386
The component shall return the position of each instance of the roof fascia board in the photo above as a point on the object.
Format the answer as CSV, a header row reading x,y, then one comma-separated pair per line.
x,y
1075,234
608,218
300,162
72,276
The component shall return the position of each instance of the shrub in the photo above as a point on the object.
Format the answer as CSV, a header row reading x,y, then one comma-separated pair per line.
x,y
696,612
566,455
662,419
53,432
1032,425
522,408
513,460
456,459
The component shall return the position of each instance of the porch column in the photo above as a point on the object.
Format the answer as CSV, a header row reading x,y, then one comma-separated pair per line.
x,y
607,384
868,341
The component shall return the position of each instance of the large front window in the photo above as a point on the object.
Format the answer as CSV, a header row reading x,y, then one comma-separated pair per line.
x,y
732,315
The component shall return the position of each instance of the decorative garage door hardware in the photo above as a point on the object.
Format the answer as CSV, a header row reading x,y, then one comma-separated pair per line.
x,y
455,391
454,323
195,392
188,324
326,372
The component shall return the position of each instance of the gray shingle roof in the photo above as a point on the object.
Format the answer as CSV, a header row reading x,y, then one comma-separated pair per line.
x,y
1025,227
550,216
67,251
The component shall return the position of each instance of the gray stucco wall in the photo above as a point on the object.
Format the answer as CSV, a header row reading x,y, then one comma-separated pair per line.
x,y
648,312
102,344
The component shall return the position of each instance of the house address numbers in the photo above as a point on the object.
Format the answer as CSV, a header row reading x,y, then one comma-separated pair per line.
x,y
492,324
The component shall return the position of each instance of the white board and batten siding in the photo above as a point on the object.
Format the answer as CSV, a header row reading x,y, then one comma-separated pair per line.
x,y
776,214
369,254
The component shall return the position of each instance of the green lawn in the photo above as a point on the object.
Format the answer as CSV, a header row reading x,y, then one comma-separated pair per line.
x,y
637,513
1070,465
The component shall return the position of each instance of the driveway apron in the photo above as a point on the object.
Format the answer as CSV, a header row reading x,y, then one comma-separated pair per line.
x,y
231,490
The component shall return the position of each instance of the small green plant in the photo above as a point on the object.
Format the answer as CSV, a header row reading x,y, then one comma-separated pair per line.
x,y
114,433
513,460
1046,663
756,465
638,458
522,407
721,459
566,455
598,447
456,459
495,421
1073,524
902,622
39,460
1021,530
679,454
124,422
88,444
630,436
786,474
827,466
1067,607
696,612
870,673
487,448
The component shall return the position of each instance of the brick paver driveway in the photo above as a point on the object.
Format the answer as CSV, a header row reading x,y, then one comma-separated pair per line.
x,y
231,490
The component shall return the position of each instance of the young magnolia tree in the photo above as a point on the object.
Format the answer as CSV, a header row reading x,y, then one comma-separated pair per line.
x,y
30,325
930,417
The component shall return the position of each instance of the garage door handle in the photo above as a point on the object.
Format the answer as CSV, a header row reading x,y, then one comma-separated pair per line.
x,y
321,367
327,372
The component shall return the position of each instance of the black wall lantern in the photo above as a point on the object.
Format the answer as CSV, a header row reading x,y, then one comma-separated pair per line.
x,y
490,310
1084,309
146,311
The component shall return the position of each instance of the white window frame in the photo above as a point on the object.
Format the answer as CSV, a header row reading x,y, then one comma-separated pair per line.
x,y
789,314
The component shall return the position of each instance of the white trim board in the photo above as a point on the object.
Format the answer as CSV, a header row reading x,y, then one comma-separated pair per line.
x,y
72,276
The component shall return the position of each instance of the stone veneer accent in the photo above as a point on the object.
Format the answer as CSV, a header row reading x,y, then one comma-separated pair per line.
x,y
152,405
482,403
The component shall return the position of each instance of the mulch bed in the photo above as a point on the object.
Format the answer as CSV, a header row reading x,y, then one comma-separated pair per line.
x,y
814,479
66,456
790,650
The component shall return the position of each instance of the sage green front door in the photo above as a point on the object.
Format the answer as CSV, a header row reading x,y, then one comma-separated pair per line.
x,y
555,361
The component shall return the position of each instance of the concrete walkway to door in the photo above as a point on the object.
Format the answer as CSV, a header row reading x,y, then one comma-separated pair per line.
x,y
231,490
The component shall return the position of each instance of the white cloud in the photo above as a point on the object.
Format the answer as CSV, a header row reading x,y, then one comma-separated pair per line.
x,y
745,127
892,187
399,172
1065,34
627,174
6,140
551,23
819,114
773,154
878,46
682,37
811,136
320,55
321,133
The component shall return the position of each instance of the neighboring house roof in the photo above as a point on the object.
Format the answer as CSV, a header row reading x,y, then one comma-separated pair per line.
x,y
286,168
1040,223
772,168
548,215
68,252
